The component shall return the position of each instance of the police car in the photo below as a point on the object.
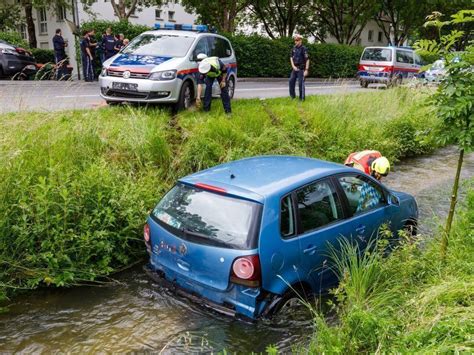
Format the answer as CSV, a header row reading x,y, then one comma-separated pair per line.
x,y
161,66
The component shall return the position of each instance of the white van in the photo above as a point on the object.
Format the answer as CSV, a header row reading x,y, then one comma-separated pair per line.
x,y
161,66
388,65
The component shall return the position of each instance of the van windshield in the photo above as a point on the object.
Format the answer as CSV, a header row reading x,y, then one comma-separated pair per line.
x,y
377,54
208,218
163,45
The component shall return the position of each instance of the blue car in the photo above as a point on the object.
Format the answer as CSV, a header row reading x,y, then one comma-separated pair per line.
x,y
242,237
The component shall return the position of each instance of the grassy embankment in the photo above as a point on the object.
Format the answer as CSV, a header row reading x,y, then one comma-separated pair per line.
x,y
410,302
75,187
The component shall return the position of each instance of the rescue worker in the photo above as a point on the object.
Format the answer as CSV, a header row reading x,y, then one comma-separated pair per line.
x,y
108,44
299,60
210,69
370,162
86,56
59,46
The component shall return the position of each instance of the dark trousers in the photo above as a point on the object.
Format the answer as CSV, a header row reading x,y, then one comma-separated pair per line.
x,y
208,95
300,76
87,68
61,66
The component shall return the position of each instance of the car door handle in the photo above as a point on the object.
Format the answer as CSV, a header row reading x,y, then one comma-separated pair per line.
x,y
360,229
310,250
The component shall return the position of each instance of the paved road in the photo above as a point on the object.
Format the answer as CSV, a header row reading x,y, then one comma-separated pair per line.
x,y
53,96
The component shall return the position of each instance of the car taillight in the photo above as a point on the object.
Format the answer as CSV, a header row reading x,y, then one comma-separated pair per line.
x,y
246,271
388,69
146,233
361,67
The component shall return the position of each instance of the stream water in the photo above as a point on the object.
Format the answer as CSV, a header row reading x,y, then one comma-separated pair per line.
x,y
135,314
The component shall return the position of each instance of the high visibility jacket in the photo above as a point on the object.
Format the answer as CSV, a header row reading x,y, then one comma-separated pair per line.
x,y
215,71
363,160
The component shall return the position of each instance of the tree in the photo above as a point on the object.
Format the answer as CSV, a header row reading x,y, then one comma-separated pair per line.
x,y
221,14
10,17
123,9
454,98
345,19
402,17
280,18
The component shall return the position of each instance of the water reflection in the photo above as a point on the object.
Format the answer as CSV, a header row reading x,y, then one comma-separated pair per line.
x,y
137,315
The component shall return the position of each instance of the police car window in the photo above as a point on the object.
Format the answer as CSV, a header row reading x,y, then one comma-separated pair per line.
x,y
164,45
219,47
202,47
377,54
318,205
362,194
404,57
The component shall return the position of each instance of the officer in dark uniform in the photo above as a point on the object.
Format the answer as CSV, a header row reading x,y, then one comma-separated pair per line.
x,y
210,69
299,60
86,56
108,43
59,46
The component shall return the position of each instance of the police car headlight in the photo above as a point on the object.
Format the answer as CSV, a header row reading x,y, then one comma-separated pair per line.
x,y
103,72
163,75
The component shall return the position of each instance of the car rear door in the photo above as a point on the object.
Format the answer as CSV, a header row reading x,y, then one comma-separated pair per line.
x,y
220,47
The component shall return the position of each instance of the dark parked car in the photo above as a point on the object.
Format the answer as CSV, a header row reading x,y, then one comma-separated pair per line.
x,y
15,60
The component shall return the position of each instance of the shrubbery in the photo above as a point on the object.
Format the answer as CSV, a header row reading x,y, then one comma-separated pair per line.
x,y
43,55
75,187
128,29
15,39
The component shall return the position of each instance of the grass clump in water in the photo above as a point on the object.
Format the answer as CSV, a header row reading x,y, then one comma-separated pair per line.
x,y
75,187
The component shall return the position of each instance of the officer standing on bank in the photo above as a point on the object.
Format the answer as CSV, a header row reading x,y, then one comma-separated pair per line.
x,y
210,69
59,46
108,44
299,60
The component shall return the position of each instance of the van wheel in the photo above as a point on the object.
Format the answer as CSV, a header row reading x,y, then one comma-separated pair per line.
x,y
186,97
364,84
231,87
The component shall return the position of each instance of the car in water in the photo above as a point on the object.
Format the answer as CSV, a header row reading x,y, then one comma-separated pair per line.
x,y
15,61
161,66
388,65
245,237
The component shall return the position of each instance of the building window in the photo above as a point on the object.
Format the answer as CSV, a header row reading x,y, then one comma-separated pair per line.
x,y
42,21
380,36
61,13
22,30
171,16
371,36
158,14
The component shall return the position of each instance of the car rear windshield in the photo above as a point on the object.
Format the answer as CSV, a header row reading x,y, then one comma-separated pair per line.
x,y
162,45
377,54
209,218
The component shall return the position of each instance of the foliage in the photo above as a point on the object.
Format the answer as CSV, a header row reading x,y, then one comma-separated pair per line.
x,y
10,17
14,38
75,187
123,9
129,30
222,15
409,302
43,55
327,60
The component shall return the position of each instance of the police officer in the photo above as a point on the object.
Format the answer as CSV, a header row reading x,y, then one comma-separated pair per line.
x,y
108,44
299,60
59,46
370,162
210,69
86,56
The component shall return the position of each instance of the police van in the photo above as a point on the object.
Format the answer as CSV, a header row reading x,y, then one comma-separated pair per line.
x,y
388,65
161,66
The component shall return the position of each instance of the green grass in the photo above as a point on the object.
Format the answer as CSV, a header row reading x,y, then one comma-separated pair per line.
x,y
75,187
409,302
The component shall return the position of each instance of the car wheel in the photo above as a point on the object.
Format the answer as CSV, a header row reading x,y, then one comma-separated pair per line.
x,y
231,87
364,84
1,73
186,97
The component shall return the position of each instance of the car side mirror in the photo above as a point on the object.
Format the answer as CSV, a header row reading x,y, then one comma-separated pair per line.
x,y
393,200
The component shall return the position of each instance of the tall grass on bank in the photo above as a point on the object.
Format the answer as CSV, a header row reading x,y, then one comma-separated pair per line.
x,y
411,301
75,187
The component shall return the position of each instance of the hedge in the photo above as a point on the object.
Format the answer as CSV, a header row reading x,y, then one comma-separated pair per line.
x,y
14,38
43,55
263,57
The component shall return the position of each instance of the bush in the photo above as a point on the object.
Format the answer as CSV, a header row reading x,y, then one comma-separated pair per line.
x,y
43,55
15,39
263,57
128,29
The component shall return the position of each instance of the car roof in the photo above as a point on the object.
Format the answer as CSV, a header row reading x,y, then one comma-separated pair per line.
x,y
182,33
260,177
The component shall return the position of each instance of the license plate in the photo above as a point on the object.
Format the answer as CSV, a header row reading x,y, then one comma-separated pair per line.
x,y
125,86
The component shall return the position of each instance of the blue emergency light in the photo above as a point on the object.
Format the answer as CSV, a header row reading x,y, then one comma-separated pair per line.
x,y
184,27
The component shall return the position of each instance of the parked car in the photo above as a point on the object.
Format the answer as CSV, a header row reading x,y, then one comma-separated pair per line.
x,y
241,237
387,65
14,60
161,66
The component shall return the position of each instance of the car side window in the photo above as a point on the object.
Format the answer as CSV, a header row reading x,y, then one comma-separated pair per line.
x,y
287,217
201,47
318,205
362,194
219,47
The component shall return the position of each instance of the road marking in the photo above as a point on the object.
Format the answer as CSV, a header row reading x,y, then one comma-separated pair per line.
x,y
307,87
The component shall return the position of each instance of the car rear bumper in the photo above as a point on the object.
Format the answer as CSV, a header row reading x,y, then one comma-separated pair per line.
x,y
237,301
11,67
382,78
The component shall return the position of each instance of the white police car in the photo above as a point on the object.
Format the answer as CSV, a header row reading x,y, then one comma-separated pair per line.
x,y
161,66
